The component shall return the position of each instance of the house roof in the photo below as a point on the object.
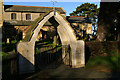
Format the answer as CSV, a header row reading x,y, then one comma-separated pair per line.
x,y
19,8
79,19
15,22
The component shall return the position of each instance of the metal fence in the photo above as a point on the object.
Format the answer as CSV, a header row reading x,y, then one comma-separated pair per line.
x,y
48,55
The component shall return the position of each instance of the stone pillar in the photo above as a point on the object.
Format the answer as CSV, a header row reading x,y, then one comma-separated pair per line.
x,y
26,57
78,55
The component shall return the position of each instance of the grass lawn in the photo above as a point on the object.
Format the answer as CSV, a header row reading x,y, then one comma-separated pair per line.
x,y
106,63
46,45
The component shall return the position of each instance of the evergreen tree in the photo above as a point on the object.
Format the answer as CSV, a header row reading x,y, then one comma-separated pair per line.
x,y
88,9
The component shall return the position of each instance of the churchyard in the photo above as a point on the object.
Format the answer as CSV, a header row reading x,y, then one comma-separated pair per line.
x,y
54,46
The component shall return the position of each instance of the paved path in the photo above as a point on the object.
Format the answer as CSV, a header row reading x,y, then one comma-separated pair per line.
x,y
65,72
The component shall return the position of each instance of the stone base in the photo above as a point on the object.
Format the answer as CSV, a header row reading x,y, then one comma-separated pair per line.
x,y
80,66
26,57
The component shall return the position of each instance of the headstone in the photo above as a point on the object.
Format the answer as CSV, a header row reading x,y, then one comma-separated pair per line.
x,y
8,40
23,36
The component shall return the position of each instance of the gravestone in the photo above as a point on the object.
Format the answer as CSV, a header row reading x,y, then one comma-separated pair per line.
x,y
8,40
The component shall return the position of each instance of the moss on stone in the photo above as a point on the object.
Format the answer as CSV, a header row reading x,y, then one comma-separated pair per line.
x,y
33,26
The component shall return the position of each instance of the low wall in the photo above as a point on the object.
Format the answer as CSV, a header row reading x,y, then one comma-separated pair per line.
x,y
11,56
96,48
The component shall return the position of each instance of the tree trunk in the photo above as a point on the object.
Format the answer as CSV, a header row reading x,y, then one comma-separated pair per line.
x,y
101,31
108,12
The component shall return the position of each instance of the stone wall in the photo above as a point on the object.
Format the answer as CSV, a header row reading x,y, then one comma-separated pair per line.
x,y
99,48
21,16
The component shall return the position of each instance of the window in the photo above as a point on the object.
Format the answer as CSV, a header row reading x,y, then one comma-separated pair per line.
x,y
13,16
28,16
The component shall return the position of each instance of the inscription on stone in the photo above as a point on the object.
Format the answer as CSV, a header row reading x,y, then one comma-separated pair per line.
x,y
80,54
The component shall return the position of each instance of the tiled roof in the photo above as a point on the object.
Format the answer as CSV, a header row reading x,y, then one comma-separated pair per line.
x,y
19,8
75,19
15,22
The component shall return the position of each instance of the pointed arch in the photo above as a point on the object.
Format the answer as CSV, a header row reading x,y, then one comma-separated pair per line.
x,y
67,36
64,26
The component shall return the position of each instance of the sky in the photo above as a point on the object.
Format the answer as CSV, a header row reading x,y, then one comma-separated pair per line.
x,y
55,0
69,7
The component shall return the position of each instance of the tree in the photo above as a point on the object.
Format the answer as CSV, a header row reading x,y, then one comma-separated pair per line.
x,y
108,20
88,9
